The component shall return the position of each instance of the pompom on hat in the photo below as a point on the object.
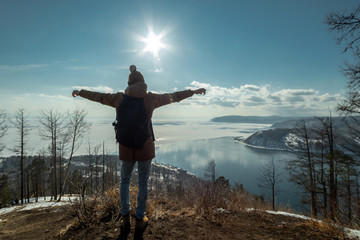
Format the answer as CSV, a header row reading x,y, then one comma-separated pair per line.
x,y
135,76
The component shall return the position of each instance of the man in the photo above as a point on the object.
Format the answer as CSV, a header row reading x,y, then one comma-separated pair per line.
x,y
138,89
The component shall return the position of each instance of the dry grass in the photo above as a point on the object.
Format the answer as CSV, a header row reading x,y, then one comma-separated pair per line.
x,y
326,226
199,201
202,199
103,207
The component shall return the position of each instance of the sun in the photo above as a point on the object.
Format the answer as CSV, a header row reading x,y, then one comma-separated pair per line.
x,y
153,44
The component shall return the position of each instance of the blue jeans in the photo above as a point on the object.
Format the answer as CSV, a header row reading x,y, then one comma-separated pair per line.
x,y
143,174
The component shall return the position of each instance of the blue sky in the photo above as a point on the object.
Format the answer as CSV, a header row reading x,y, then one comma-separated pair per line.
x,y
256,57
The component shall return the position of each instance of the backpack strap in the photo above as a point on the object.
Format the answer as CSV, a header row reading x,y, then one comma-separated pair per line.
x,y
152,130
151,126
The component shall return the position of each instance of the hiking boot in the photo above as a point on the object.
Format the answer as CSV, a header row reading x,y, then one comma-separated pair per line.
x,y
141,224
125,222
124,227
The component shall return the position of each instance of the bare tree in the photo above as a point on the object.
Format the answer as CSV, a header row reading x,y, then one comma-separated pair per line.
x,y
210,173
77,127
321,162
96,151
90,168
347,173
269,179
111,170
357,195
52,123
347,26
352,140
328,130
302,170
20,122
103,168
37,169
3,127
5,189
63,145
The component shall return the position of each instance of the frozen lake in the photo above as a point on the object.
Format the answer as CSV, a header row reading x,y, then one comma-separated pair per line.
x,y
235,161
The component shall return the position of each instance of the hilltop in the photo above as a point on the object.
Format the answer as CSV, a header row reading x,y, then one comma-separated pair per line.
x,y
181,206
187,208
169,220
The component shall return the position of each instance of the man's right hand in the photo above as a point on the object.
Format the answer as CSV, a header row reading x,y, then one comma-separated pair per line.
x,y
75,93
200,91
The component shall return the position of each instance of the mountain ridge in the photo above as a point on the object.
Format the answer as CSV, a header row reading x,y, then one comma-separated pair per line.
x,y
252,119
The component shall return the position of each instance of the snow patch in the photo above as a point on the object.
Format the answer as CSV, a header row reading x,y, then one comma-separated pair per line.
x,y
352,233
9,209
222,210
288,214
292,140
42,203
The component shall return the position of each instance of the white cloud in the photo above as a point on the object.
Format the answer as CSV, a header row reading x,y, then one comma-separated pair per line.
x,y
54,97
294,99
298,92
329,98
250,87
41,96
99,88
24,67
263,100
246,99
276,99
255,101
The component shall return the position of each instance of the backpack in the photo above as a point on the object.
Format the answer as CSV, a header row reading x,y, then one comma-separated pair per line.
x,y
131,125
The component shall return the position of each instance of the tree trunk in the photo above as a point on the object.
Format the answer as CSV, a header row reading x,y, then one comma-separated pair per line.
x,y
103,172
311,174
348,188
22,160
332,185
273,196
68,165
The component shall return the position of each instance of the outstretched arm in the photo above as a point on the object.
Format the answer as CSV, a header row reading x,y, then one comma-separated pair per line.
x,y
179,96
109,99
163,99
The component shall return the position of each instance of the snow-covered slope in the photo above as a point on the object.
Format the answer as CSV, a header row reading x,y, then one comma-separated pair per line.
x,y
283,136
278,139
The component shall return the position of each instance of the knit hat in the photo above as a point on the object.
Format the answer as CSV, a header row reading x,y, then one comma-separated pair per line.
x,y
135,76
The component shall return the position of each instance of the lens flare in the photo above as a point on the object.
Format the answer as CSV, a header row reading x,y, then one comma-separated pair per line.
x,y
153,44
